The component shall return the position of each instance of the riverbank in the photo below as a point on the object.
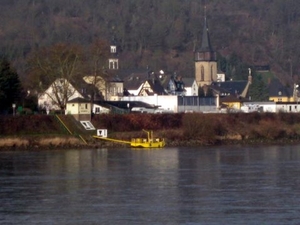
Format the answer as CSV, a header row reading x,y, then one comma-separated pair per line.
x,y
37,132
58,143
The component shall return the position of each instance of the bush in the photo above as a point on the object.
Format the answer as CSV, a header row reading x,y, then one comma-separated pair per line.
x,y
270,130
137,122
199,127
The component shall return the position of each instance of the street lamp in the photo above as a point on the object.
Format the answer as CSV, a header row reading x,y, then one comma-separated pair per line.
x,y
297,94
128,107
14,108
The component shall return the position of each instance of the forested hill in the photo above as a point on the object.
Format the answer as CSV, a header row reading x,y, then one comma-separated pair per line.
x,y
158,33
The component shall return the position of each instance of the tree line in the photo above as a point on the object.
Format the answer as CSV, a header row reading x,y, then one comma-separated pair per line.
x,y
160,34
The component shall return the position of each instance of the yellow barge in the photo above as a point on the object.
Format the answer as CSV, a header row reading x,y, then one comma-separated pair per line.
x,y
148,142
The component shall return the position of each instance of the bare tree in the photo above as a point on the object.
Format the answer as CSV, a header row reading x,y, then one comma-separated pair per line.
x,y
96,67
55,67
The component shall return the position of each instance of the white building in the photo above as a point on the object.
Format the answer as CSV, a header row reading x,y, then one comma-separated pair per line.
x,y
57,94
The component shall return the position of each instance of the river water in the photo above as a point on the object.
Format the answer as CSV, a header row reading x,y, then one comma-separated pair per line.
x,y
204,185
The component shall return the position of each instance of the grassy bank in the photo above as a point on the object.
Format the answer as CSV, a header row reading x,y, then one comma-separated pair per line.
x,y
192,129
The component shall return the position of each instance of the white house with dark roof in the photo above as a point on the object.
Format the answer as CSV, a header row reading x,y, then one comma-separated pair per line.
x,y
134,82
58,93
148,83
191,87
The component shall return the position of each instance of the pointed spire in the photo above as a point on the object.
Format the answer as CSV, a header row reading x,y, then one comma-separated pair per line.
x,y
205,52
205,45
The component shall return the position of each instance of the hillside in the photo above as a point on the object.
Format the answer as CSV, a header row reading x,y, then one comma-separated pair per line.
x,y
159,34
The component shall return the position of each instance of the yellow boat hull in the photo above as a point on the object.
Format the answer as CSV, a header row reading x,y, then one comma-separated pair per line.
x,y
148,142
140,143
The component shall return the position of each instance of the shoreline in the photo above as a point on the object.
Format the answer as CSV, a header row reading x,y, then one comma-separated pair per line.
x,y
71,142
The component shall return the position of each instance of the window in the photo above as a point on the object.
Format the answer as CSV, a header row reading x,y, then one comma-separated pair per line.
x,y
202,74
113,49
113,64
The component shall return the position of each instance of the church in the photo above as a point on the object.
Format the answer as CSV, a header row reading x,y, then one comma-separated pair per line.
x,y
206,71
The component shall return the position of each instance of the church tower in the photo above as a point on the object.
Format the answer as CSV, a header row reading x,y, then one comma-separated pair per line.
x,y
113,61
205,59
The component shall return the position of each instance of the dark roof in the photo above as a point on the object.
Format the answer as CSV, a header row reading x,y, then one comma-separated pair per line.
x,y
219,90
277,89
124,104
156,87
83,88
232,87
233,98
205,44
135,80
79,100
188,82
115,79
124,73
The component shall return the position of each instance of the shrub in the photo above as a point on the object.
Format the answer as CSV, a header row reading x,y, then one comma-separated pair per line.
x,y
199,127
289,118
271,130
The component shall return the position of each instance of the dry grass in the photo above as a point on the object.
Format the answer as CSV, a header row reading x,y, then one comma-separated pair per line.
x,y
39,142
59,141
11,142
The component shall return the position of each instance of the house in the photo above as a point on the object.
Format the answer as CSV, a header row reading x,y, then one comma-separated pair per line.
x,y
190,86
134,82
56,96
151,83
112,89
232,102
115,89
276,107
98,82
235,88
80,108
152,87
280,93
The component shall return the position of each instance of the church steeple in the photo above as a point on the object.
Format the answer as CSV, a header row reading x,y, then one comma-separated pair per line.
x,y
113,61
205,58
205,52
205,45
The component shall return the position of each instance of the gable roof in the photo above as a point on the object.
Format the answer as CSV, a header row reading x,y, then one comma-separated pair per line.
x,y
79,100
232,87
156,86
135,80
188,81
277,89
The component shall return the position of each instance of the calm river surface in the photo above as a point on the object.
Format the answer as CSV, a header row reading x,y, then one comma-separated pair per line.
x,y
215,185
